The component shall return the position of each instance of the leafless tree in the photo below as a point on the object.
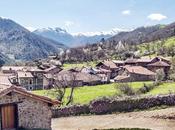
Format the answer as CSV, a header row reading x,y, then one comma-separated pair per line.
x,y
61,83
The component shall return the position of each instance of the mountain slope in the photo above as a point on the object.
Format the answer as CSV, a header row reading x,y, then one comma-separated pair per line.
x,y
78,39
21,44
145,34
129,44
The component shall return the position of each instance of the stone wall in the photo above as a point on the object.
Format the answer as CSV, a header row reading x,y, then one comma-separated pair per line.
x,y
107,105
31,113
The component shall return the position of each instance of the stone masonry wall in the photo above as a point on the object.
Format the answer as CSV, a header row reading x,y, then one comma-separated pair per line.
x,y
31,113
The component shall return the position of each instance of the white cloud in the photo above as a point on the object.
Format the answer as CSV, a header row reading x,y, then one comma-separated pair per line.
x,y
31,29
126,12
156,17
69,23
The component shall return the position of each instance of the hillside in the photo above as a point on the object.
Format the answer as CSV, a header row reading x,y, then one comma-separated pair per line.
x,y
123,45
18,43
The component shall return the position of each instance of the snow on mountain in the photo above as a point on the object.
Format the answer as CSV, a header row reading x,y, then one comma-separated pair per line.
x,y
112,32
76,39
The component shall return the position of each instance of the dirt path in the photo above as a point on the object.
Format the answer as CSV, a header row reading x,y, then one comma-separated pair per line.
x,y
155,120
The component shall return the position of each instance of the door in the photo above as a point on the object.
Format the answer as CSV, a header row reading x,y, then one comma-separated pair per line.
x,y
8,117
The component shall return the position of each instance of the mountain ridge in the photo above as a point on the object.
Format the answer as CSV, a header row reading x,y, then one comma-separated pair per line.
x,y
76,39
17,41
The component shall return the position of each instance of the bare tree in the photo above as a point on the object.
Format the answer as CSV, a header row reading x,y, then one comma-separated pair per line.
x,y
61,83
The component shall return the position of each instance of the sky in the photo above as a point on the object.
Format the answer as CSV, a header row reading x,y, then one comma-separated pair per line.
x,y
88,15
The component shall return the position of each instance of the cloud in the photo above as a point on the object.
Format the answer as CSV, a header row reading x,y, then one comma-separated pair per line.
x,y
156,17
31,29
69,23
126,12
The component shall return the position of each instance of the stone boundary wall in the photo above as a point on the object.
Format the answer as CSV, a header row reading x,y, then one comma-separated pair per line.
x,y
107,105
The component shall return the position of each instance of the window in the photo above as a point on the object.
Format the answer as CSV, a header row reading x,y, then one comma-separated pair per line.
x,y
30,82
30,88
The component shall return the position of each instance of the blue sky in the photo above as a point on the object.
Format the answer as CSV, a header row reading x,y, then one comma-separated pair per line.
x,y
88,15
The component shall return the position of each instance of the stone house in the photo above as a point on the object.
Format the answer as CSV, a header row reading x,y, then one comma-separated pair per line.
x,y
134,73
103,73
109,65
159,65
25,79
26,110
71,77
37,77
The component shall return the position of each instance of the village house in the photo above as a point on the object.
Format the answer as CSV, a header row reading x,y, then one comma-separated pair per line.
x,y
109,65
153,64
25,79
104,74
134,73
71,77
26,110
29,77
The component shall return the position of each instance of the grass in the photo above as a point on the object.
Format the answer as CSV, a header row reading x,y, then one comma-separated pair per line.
x,y
165,88
68,66
83,95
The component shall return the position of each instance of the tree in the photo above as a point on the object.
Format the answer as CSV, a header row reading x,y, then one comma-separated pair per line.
x,y
148,48
61,83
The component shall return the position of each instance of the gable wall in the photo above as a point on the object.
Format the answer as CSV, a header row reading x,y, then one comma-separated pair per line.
x,y
31,113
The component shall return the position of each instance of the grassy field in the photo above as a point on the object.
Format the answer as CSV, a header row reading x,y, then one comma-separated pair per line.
x,y
165,88
83,95
68,66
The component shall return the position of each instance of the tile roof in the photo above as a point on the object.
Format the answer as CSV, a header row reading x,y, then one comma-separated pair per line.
x,y
4,79
101,70
118,61
22,91
159,64
15,68
138,70
79,76
131,60
24,74
110,64
121,77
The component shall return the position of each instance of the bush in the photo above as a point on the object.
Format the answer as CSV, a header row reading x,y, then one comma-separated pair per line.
x,y
148,87
125,88
160,75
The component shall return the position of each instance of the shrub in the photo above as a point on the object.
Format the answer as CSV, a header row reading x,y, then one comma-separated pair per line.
x,y
125,88
160,75
148,87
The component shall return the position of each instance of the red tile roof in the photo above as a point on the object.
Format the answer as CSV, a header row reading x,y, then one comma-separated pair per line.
x,y
110,64
159,64
138,70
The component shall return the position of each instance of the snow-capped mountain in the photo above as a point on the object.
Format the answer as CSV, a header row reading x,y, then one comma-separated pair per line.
x,y
56,34
76,39
17,43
